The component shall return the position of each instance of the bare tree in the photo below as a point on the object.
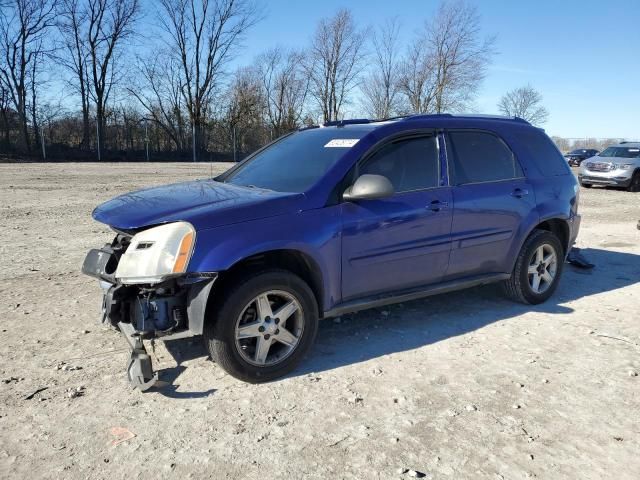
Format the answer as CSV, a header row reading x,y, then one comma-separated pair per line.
x,y
160,94
23,26
446,64
72,19
285,86
417,78
48,113
461,56
203,35
34,87
244,107
563,144
335,63
6,117
524,102
109,23
381,87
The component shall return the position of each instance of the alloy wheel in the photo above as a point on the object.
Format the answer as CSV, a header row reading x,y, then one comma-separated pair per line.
x,y
269,328
543,267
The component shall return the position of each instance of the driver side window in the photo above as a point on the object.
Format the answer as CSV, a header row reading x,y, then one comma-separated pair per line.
x,y
409,163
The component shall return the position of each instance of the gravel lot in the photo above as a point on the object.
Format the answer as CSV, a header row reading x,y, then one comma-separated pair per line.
x,y
464,385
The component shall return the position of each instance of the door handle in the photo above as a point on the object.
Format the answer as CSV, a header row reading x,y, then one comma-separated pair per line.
x,y
437,205
520,192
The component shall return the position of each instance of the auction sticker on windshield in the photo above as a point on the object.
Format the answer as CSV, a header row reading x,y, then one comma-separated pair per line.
x,y
341,143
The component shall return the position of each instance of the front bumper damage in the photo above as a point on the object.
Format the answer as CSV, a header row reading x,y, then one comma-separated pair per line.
x,y
172,309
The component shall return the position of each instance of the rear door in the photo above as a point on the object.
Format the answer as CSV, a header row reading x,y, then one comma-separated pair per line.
x,y
491,198
401,241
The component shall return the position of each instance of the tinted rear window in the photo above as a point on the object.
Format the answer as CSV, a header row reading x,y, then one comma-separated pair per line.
x,y
543,152
476,156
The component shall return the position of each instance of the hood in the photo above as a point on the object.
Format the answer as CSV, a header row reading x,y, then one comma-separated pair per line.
x,y
203,203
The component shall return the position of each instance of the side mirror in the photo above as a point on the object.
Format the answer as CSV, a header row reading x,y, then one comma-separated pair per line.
x,y
368,187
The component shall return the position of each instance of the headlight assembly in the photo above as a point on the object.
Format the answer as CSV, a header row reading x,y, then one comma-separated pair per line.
x,y
157,254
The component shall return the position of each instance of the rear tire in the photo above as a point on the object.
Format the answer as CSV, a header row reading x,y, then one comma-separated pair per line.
x,y
245,335
537,270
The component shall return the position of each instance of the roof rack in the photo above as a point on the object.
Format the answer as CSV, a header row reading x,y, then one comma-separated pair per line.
x,y
469,115
339,123
308,127
342,123
421,116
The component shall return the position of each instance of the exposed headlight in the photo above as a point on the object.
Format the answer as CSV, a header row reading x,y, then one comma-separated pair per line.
x,y
621,166
157,253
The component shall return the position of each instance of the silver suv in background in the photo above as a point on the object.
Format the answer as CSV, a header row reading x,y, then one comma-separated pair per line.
x,y
617,165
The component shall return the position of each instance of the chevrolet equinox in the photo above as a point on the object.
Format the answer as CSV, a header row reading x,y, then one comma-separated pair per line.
x,y
334,219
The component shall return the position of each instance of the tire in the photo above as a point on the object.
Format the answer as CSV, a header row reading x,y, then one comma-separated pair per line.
x,y
238,314
634,186
521,286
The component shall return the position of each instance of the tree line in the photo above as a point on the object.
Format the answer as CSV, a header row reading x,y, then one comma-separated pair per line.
x,y
110,80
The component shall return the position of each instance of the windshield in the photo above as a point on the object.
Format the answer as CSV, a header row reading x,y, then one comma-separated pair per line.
x,y
297,161
623,152
577,152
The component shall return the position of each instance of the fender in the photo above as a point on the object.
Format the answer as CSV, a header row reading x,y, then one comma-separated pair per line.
x,y
549,192
524,230
314,233
528,228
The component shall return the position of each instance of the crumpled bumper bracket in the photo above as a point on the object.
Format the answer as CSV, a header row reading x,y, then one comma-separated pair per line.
x,y
140,368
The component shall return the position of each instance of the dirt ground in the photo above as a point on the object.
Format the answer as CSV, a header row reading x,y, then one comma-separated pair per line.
x,y
464,385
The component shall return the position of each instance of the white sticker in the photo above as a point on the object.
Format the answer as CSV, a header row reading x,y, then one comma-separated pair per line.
x,y
634,150
341,143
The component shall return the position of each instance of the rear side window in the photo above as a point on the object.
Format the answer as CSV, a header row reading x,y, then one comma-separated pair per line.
x,y
476,156
409,164
543,152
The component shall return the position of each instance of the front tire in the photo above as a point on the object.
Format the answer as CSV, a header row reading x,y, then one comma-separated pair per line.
x,y
537,270
634,186
263,326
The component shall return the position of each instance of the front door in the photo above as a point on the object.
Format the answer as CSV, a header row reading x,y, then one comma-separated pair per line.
x,y
401,241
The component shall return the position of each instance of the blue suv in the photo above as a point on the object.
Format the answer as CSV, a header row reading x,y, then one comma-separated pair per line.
x,y
334,219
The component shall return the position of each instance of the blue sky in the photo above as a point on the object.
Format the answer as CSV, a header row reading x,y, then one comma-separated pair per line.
x,y
583,56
